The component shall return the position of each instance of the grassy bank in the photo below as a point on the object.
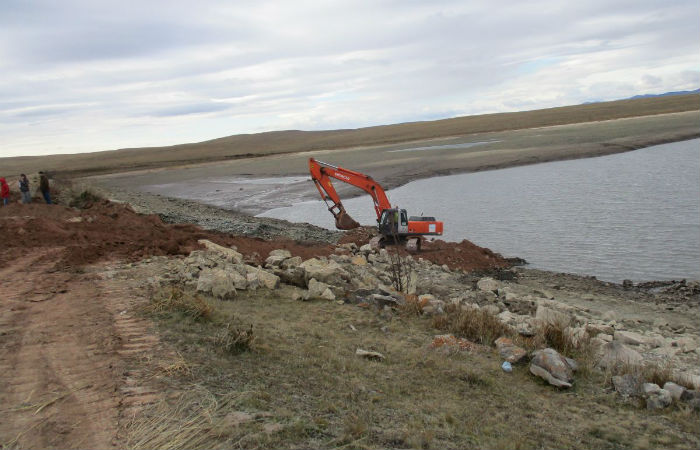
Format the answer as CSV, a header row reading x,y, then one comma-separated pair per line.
x,y
298,384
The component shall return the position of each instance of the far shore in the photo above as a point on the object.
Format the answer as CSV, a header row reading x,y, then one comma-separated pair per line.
x,y
397,164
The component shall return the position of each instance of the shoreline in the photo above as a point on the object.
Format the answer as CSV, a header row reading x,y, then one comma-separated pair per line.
x,y
254,198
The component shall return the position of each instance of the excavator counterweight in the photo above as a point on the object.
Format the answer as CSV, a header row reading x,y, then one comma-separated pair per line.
x,y
393,223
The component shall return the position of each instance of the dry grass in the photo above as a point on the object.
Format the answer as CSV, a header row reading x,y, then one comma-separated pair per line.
x,y
178,300
412,307
476,325
233,339
560,339
303,387
649,372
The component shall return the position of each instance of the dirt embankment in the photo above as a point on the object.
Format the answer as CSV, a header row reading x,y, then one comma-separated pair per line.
x,y
109,231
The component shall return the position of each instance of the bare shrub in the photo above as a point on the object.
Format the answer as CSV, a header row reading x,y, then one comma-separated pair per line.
x,y
400,268
83,199
233,339
175,299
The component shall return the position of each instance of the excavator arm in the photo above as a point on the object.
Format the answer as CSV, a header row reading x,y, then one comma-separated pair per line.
x,y
321,174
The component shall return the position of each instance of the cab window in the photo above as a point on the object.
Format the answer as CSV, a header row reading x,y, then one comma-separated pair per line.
x,y
404,221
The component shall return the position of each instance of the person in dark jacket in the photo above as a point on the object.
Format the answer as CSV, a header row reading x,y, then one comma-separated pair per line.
x,y
24,189
44,187
4,191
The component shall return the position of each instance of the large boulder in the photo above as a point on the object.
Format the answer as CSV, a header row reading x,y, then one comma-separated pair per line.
x,y
291,263
263,278
327,271
628,385
216,282
292,275
319,290
616,353
549,365
228,254
488,284
277,257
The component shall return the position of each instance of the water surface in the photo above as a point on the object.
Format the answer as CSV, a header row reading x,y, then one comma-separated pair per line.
x,y
633,215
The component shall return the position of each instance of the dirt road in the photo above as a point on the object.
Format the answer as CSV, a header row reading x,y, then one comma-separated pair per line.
x,y
65,356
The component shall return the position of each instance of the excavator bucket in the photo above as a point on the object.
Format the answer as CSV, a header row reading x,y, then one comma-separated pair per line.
x,y
343,221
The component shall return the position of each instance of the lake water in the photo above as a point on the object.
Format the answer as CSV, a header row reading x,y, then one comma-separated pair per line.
x,y
633,215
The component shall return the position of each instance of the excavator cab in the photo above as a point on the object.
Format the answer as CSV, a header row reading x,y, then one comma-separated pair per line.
x,y
393,221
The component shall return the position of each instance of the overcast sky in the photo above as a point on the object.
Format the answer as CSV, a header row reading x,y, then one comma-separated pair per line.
x,y
89,75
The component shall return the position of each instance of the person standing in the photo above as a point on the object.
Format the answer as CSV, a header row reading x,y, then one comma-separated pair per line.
x,y
44,187
24,189
4,191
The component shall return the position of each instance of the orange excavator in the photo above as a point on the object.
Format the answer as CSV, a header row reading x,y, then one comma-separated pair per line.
x,y
393,223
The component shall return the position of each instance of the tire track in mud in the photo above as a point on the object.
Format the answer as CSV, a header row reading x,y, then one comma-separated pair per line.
x,y
73,360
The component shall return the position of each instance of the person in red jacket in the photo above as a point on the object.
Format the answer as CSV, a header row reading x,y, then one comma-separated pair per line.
x,y
4,191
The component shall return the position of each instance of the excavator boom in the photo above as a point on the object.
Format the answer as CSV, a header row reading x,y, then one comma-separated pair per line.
x,y
321,174
393,222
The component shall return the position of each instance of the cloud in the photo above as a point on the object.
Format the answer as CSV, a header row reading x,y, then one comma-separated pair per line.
x,y
133,73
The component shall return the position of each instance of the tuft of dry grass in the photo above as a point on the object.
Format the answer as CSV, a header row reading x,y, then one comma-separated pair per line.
x,y
233,339
412,307
476,325
650,372
176,299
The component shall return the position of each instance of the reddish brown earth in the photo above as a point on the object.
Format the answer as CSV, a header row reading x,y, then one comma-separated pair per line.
x,y
73,369
112,231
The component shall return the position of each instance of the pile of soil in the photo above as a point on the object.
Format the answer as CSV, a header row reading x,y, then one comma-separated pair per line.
x,y
463,255
104,231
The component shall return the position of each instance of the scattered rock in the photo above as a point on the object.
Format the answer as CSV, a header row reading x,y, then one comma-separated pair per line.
x,y
228,254
659,399
358,260
487,285
451,344
616,353
675,390
217,282
291,263
628,385
326,271
277,257
596,329
264,278
319,290
369,354
629,337
549,365
650,388
509,351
